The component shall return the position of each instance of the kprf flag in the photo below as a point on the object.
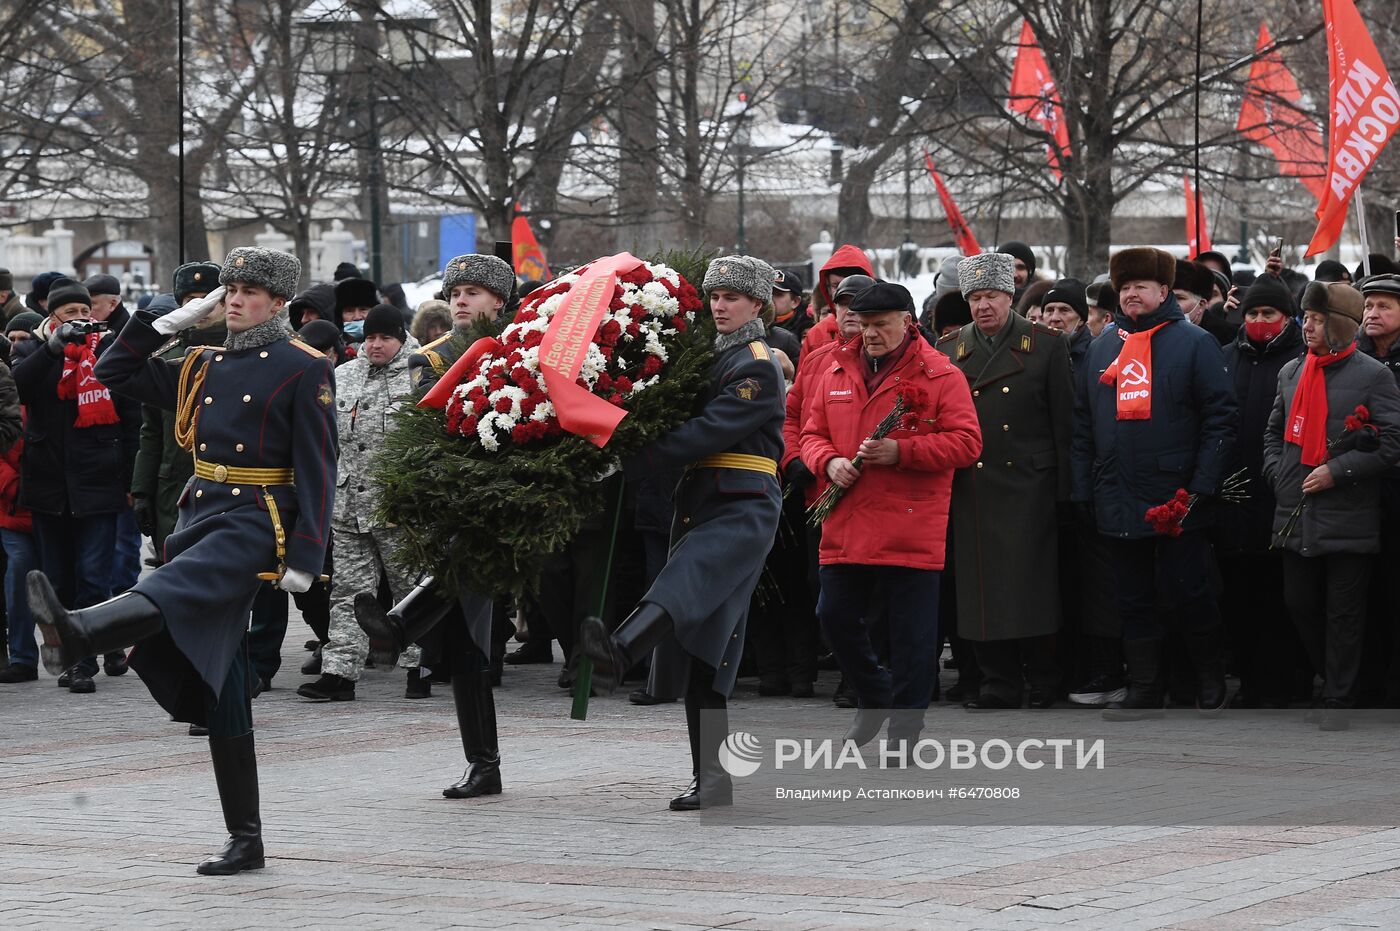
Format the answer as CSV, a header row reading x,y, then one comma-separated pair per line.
x,y
1033,94
528,257
1365,111
962,233
1271,117
1197,233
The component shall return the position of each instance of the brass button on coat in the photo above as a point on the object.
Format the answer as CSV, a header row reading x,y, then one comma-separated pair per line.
x,y
221,473
239,447
237,491
247,398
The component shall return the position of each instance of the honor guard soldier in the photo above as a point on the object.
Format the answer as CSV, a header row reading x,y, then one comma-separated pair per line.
x,y
258,416
477,287
727,507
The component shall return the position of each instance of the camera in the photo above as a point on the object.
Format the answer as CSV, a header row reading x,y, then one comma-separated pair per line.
x,y
87,327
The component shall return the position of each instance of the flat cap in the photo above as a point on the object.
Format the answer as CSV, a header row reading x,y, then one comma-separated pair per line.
x,y
883,297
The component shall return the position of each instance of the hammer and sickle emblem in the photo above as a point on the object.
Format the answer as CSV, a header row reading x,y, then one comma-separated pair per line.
x,y
1133,374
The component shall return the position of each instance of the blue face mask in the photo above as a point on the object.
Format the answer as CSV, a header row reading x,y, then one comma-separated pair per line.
x,y
355,329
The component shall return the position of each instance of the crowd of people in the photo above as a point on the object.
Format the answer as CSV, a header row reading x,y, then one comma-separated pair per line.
x,y
1009,519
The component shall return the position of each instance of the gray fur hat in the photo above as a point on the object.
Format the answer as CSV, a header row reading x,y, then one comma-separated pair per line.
x,y
277,272
742,273
987,271
491,273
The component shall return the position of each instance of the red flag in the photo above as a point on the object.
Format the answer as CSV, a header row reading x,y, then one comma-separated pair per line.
x,y
1033,93
1365,111
962,233
1196,208
1271,117
529,257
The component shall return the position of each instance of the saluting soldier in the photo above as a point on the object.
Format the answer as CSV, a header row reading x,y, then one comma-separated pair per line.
x,y
258,415
727,507
1005,505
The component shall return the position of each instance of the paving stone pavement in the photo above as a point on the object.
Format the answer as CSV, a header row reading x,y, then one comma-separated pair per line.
x,y
105,808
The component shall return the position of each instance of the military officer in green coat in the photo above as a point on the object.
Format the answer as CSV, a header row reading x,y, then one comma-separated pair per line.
x,y
1005,523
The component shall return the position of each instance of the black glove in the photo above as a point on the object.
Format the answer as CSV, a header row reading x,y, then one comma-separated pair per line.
x,y
59,339
798,475
145,512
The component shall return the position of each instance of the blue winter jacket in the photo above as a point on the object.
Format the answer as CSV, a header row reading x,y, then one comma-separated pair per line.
x,y
1127,466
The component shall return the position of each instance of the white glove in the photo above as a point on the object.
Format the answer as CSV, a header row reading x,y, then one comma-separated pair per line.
x,y
609,471
182,318
294,580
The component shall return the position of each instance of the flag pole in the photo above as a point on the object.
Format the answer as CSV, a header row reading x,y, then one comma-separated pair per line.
x,y
1361,228
1196,146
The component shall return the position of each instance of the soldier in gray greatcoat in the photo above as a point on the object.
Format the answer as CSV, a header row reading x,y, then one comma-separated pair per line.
x,y
257,413
1005,506
727,507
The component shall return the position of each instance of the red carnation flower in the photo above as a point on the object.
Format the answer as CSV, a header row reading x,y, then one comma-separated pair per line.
x,y
480,405
604,381
520,433
634,330
623,383
1362,413
637,276
503,405
533,339
679,322
468,427
652,366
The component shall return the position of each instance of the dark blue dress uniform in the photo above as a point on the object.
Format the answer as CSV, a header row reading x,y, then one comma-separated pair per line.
x,y
727,507
265,448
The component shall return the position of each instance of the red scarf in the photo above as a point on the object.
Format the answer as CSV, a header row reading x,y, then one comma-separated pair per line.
x,y
77,383
1307,415
1131,373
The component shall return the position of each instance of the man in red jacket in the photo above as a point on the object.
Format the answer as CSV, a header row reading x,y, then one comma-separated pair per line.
x,y
844,262
890,527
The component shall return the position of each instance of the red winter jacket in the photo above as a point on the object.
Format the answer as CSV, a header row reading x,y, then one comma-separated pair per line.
x,y
12,516
893,515
797,396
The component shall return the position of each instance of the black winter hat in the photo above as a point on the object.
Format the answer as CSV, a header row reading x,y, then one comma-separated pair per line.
x,y
1268,291
385,319
25,320
1203,257
882,297
1142,263
7,280
1068,291
103,284
39,287
1195,278
345,270
1331,270
1021,251
1380,265
355,292
951,309
195,278
323,335
319,298
67,291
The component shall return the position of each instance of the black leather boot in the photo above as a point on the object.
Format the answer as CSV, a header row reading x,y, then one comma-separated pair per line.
x,y
711,786
69,636
1207,650
236,773
613,654
419,612
476,719
1144,698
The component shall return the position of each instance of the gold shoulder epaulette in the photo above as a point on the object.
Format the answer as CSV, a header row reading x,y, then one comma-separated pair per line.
x,y
196,350
307,348
759,349
435,343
